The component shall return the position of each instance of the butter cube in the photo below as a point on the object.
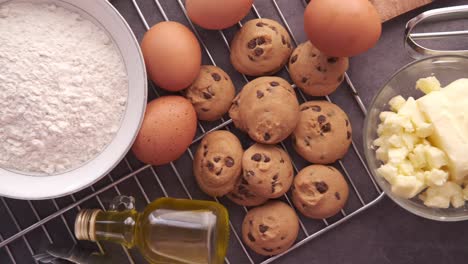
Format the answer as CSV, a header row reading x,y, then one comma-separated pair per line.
x,y
396,103
409,140
405,168
395,141
424,130
385,115
382,154
435,157
396,123
388,172
444,195
397,155
407,186
428,85
435,177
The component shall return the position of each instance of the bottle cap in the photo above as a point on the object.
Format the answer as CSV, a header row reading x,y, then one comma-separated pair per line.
x,y
84,224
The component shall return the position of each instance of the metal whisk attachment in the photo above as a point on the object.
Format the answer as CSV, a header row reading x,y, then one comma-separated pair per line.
x,y
416,50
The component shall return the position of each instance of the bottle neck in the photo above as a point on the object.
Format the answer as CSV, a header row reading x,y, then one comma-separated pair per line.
x,y
117,227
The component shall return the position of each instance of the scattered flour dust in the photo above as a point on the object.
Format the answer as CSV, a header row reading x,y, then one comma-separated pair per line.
x,y
63,88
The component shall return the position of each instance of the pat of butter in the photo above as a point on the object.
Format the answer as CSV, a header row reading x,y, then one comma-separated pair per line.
x,y
447,110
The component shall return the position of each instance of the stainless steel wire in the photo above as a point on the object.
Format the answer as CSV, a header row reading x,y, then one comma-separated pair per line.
x,y
5,243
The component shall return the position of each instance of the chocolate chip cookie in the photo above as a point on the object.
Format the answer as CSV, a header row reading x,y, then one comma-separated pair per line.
x,y
323,134
242,195
271,228
261,47
211,94
319,191
314,72
267,109
217,164
268,170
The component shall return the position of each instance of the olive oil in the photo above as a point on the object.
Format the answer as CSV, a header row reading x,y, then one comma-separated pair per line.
x,y
167,231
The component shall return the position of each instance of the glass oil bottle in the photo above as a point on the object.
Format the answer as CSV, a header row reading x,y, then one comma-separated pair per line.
x,y
167,231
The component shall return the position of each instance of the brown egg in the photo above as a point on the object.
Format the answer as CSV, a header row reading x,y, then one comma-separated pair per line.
x,y
167,131
342,28
217,14
172,55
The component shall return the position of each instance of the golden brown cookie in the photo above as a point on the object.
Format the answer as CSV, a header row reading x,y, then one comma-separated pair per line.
x,y
267,109
211,94
319,191
217,164
271,228
268,170
314,72
242,195
261,47
323,134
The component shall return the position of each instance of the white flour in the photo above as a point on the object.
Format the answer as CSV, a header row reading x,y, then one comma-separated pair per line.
x,y
63,88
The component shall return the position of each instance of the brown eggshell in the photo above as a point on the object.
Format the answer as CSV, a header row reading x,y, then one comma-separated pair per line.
x,y
172,55
342,28
217,14
167,131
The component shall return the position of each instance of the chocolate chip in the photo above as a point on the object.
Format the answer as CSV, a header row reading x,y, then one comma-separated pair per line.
x,y
205,146
263,228
216,77
252,43
293,59
304,80
304,108
320,69
260,24
243,181
229,162
340,78
205,109
266,137
205,153
332,60
283,40
210,165
321,119
289,45
307,143
207,95
347,122
331,168
226,78
321,187
326,128
348,135
258,52
278,248
219,172
316,108
283,238
267,159
275,178
337,195
274,84
260,94
272,188
261,41
216,159
268,249
273,28
313,55
251,58
250,173
304,205
256,157
251,237
250,222
281,160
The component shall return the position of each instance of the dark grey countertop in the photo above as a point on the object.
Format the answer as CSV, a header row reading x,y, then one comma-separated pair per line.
x,y
384,233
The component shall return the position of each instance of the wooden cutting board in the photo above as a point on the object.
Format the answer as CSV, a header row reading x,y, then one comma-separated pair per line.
x,y
389,9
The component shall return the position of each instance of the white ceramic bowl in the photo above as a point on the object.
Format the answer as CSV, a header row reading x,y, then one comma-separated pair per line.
x,y
103,14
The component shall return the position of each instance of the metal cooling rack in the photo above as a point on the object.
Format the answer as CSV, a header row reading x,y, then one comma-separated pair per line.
x,y
27,227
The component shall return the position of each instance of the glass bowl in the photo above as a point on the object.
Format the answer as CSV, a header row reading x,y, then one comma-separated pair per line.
x,y
446,68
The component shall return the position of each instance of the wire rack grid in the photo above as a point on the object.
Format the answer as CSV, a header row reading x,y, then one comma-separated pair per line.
x,y
39,223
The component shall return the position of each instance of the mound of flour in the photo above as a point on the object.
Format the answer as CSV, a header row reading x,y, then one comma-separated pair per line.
x,y
63,88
